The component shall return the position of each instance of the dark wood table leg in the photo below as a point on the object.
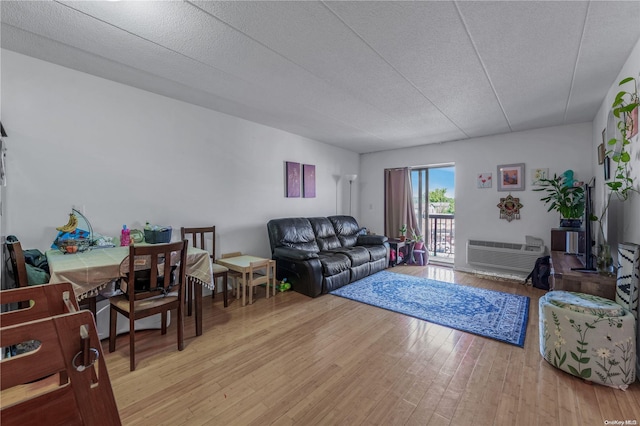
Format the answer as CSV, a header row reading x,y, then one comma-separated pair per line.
x,y
225,278
90,303
189,290
197,290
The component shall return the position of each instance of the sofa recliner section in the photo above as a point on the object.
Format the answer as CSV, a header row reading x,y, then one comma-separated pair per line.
x,y
320,254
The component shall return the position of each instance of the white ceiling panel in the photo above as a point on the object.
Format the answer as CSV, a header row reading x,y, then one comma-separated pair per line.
x,y
319,42
537,62
598,62
424,43
363,75
225,48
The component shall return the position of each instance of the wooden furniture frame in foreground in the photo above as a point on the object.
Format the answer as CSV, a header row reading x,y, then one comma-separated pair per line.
x,y
85,399
563,278
40,301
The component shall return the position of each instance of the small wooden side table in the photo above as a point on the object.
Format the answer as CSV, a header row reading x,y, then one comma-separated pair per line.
x,y
405,247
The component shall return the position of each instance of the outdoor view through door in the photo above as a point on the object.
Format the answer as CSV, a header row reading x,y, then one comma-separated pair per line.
x,y
434,202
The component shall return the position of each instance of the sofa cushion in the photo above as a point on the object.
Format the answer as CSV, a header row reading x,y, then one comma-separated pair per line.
x,y
357,255
377,252
333,263
347,229
325,234
293,232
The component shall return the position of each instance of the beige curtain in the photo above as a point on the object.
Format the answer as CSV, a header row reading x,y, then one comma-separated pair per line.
x,y
398,200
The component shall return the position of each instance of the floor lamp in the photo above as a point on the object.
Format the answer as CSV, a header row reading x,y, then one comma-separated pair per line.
x,y
350,178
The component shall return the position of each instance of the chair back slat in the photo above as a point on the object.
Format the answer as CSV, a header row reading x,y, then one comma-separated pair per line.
x,y
259,272
199,237
150,258
18,264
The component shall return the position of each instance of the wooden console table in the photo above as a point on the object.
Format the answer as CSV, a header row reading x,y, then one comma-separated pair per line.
x,y
563,278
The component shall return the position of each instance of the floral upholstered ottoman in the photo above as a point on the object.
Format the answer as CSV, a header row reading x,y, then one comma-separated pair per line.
x,y
589,337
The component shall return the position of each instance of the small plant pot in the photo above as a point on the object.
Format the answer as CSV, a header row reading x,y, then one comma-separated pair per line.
x,y
570,223
402,238
419,245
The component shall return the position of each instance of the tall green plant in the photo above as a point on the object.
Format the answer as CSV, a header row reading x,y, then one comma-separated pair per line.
x,y
621,184
566,200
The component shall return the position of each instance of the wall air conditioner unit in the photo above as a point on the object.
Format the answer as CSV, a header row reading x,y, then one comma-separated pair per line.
x,y
507,256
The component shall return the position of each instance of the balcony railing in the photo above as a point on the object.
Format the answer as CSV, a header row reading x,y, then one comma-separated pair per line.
x,y
441,235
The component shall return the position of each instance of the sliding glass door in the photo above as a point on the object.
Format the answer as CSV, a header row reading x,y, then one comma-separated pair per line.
x,y
434,201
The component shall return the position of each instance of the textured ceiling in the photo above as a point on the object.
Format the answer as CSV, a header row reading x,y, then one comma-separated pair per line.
x,y
366,76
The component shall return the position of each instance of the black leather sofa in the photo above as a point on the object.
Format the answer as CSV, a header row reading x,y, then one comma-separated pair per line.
x,y
319,254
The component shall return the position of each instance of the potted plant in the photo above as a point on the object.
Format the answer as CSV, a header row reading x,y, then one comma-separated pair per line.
x,y
621,184
419,240
565,198
403,232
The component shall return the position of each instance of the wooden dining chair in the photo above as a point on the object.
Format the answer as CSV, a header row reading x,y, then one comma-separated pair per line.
x,y
260,272
199,237
69,346
153,285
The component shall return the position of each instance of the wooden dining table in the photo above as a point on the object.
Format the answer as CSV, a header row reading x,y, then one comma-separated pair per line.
x,y
91,271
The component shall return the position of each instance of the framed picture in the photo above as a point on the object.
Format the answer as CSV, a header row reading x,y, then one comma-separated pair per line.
x,y
511,177
292,179
537,174
601,153
308,181
484,180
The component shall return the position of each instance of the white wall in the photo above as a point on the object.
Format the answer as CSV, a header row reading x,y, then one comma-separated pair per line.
x,y
624,226
129,156
477,215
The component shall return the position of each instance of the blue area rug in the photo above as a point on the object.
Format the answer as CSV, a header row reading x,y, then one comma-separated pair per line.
x,y
489,313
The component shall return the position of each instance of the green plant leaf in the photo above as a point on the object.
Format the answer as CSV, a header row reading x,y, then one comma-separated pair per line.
x,y
573,370
626,80
625,157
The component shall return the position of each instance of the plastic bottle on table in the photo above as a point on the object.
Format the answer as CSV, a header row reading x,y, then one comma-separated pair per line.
x,y
125,236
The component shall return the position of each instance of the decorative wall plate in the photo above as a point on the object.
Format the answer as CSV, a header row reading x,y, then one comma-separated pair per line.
x,y
509,208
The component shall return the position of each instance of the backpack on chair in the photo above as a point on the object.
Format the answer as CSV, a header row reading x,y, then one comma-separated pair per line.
x,y
541,273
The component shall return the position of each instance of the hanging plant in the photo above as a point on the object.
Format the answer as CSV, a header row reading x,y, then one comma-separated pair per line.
x,y
621,185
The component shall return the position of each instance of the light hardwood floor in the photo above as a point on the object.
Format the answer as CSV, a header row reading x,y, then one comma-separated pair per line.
x,y
293,360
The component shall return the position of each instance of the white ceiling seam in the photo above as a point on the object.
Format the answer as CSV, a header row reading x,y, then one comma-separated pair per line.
x,y
484,67
575,67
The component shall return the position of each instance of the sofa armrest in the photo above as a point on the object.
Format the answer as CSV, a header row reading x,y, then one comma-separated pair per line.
x,y
293,253
364,240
